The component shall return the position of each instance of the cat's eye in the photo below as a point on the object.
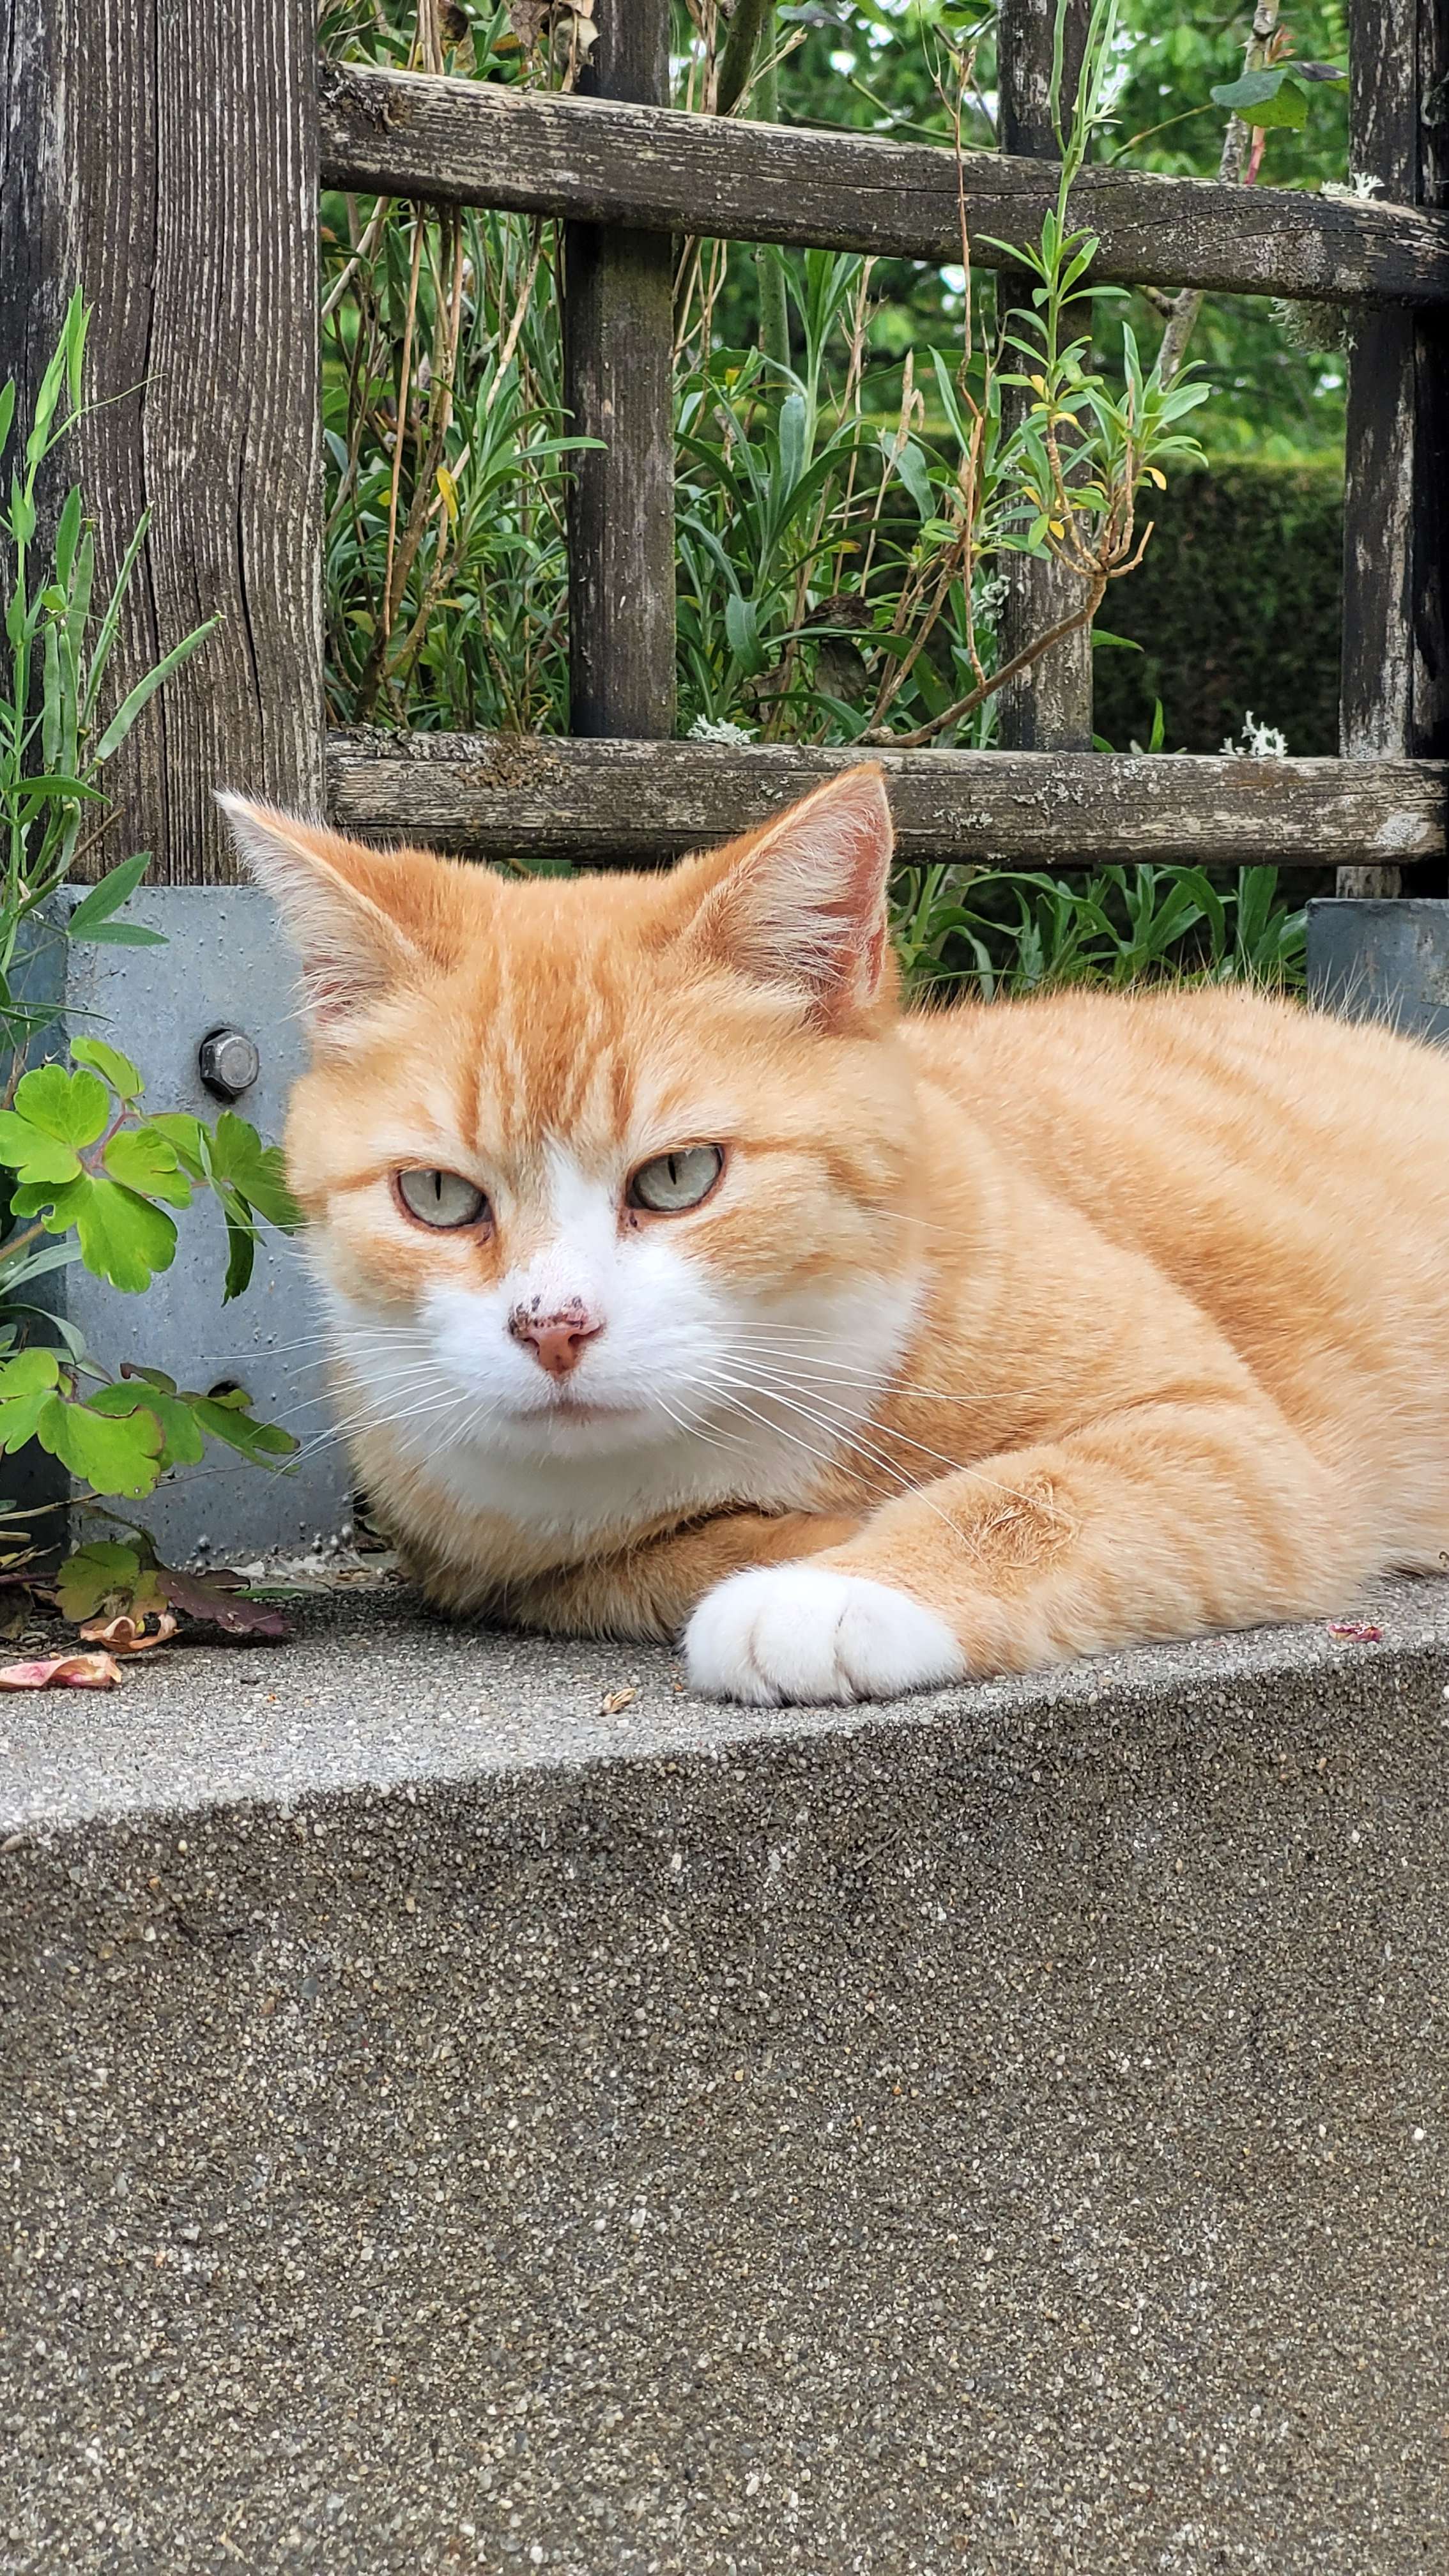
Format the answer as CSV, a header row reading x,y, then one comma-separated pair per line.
x,y
673,1182
440,1199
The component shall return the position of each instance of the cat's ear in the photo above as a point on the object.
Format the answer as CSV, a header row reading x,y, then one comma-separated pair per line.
x,y
363,922
802,903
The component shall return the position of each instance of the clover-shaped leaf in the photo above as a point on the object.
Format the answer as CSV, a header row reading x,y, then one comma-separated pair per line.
x,y
105,1574
180,1430
37,1157
256,1170
71,1106
57,1204
26,1384
123,1238
147,1162
115,1456
110,1064
187,1138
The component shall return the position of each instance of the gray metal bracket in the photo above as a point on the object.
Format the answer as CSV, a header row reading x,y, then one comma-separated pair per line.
x,y
220,971
1370,960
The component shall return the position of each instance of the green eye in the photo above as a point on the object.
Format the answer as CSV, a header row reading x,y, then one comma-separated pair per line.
x,y
443,1200
673,1182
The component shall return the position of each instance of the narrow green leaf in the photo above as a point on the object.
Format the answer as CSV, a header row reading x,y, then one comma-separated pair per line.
x,y
114,889
17,1270
911,467
67,536
145,689
123,934
264,1441
743,632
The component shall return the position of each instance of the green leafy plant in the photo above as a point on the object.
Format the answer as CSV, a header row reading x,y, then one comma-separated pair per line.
x,y
998,931
840,546
87,1173
1280,94
862,446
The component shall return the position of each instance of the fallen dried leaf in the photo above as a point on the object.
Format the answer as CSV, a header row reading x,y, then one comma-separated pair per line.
x,y
62,1672
127,1635
1359,1632
616,1700
214,1598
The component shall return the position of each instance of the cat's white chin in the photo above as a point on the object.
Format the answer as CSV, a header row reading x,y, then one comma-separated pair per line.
x,y
802,1635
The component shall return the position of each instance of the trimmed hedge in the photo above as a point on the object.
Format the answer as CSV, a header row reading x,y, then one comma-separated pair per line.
x,y
1236,605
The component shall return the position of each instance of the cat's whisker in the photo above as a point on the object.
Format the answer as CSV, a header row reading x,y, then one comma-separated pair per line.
x,y
865,1449
889,1387
396,1415
416,1380
693,1428
782,1430
878,1380
956,1466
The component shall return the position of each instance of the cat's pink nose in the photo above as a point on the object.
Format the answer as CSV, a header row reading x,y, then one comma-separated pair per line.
x,y
557,1340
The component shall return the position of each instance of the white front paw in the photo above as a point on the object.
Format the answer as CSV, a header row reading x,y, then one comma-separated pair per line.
x,y
802,1633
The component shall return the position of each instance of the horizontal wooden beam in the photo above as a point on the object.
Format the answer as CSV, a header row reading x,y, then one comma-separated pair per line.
x,y
658,169
627,803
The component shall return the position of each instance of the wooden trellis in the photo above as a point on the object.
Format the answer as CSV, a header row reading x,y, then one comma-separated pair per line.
x,y
172,167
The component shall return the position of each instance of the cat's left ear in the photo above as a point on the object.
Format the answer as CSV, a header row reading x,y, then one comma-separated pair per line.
x,y
803,904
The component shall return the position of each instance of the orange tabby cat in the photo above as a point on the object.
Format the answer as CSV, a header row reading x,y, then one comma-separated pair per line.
x,y
678,1283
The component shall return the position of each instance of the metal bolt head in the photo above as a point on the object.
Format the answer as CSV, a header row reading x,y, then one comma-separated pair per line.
x,y
228,1063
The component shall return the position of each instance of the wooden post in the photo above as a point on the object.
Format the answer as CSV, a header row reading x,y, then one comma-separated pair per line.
x,y
1395,690
618,373
1050,707
166,164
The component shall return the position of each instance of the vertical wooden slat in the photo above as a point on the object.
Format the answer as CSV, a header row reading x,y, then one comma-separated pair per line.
x,y
166,163
1050,707
1395,687
618,345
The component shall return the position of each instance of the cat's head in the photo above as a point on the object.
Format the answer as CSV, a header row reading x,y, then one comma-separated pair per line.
x,y
582,1157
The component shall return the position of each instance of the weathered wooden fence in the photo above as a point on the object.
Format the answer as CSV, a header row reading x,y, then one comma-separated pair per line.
x,y
171,167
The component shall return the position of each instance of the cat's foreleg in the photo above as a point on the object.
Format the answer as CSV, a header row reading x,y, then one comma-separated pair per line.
x,y
1164,1520
648,1591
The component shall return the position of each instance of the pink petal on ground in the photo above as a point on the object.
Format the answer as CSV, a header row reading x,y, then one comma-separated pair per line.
x,y
126,1635
62,1672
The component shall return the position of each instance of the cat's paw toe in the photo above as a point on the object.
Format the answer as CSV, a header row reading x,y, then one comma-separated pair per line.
x,y
801,1634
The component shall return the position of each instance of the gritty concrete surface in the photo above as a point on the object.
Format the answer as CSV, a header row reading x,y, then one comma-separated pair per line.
x,y
446,2122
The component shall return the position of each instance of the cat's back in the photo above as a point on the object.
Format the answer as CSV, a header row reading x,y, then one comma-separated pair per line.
x,y
1173,1114
1084,1073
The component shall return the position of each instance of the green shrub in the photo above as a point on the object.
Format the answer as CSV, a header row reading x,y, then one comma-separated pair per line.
x,y
1236,605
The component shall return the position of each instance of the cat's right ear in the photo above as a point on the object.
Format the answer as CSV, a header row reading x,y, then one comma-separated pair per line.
x,y
363,922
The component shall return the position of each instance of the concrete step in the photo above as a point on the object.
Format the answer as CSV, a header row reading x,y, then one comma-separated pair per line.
x,y
452,2119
